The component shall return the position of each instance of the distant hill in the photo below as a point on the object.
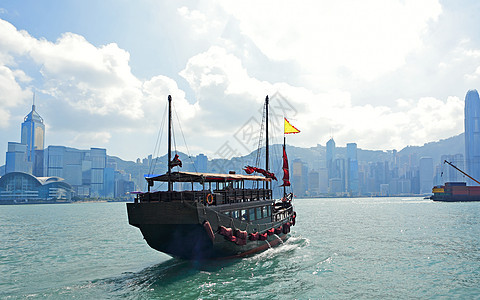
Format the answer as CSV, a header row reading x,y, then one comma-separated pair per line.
x,y
313,156
435,150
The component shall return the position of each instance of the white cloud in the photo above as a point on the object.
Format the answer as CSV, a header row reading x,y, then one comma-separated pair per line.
x,y
97,80
92,80
90,87
410,122
331,60
4,117
11,94
87,139
366,39
13,42
201,23
155,95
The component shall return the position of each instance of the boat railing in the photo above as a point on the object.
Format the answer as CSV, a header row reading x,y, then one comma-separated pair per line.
x,y
229,196
207,197
281,213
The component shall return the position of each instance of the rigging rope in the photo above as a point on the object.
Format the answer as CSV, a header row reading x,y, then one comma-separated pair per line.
x,y
260,144
156,149
277,156
184,140
260,138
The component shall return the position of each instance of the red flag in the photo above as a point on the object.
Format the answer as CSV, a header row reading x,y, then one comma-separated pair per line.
x,y
286,176
250,170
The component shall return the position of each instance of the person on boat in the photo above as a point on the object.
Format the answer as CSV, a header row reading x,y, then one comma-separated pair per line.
x,y
287,200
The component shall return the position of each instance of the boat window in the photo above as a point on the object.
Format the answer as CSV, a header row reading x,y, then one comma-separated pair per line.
x,y
258,211
251,214
243,215
265,214
235,214
269,212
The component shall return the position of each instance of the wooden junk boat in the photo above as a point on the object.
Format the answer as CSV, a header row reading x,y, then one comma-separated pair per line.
x,y
227,217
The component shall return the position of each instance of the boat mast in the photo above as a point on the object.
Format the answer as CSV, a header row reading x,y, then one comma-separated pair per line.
x,y
169,142
266,133
284,150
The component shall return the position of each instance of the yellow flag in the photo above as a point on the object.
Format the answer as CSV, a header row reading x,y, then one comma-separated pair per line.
x,y
289,128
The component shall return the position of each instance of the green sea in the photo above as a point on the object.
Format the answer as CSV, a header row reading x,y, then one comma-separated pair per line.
x,y
356,248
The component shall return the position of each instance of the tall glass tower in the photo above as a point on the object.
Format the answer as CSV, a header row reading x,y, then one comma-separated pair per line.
x,y
352,169
330,158
472,134
33,135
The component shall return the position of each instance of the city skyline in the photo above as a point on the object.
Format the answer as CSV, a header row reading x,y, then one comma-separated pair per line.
x,y
91,173
384,75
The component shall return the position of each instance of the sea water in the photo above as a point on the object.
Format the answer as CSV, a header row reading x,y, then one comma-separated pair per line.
x,y
356,248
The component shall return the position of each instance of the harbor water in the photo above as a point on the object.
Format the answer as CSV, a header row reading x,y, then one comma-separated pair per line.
x,y
356,248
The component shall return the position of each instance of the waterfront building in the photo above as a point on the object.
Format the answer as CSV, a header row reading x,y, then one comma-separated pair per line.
x,y
339,172
352,169
123,185
381,170
404,187
85,170
109,183
201,161
313,183
384,190
98,158
305,177
323,181
16,159
19,187
335,187
472,134
298,177
330,158
426,175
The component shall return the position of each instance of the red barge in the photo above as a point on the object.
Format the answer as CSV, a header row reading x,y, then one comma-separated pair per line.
x,y
456,191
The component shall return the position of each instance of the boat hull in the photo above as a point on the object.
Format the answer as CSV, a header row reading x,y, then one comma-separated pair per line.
x,y
456,198
178,229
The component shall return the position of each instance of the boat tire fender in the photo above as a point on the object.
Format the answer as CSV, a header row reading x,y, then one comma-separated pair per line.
x,y
209,199
209,230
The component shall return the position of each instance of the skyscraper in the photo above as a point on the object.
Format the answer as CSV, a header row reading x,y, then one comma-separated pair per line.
x,y
352,169
17,158
201,163
33,135
330,158
472,134
426,175
86,170
299,183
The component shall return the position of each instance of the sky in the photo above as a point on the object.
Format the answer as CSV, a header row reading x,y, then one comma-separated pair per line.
x,y
384,74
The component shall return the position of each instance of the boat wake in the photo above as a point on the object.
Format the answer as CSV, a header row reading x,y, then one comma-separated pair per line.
x,y
290,245
176,278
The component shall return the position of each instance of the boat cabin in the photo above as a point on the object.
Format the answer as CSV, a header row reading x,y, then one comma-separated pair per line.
x,y
225,193
216,189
